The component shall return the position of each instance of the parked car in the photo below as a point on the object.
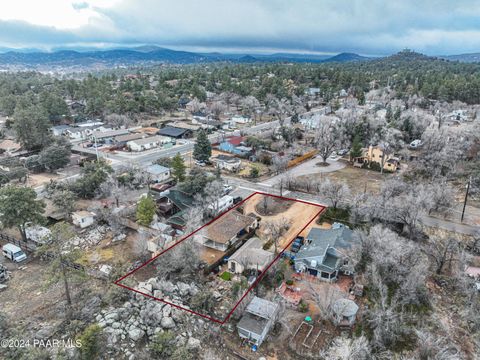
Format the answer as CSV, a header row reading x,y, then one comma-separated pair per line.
x,y
342,152
13,252
415,144
227,189
297,244
237,199
200,163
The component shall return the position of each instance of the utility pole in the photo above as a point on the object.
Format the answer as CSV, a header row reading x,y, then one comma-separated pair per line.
x,y
466,196
96,147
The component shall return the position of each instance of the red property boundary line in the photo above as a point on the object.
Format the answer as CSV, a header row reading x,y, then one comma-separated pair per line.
x,y
255,283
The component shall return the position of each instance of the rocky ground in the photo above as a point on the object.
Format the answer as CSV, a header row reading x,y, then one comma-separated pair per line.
x,y
140,318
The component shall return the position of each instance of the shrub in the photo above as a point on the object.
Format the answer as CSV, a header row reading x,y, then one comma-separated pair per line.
x,y
162,345
90,340
254,172
302,307
289,282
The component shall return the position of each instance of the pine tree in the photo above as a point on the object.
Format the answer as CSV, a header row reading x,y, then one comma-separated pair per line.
x,y
145,211
356,150
178,168
202,149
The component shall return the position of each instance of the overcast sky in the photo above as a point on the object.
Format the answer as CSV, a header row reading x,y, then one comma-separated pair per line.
x,y
373,27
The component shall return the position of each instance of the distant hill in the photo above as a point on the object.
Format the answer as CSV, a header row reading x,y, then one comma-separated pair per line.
x,y
347,57
469,58
145,55
149,55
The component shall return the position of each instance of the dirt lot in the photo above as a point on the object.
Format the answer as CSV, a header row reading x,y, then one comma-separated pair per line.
x,y
298,214
358,180
29,299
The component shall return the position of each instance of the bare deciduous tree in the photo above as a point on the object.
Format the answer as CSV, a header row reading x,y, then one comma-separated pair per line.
x,y
343,348
217,108
329,135
275,229
118,121
334,192
443,251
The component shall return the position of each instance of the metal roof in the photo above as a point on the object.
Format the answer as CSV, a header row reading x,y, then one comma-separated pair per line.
x,y
261,307
157,169
172,131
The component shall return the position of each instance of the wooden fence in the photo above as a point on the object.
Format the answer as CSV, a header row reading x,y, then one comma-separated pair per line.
x,y
299,159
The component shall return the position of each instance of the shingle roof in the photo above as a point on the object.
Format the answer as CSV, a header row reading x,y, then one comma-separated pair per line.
x,y
110,133
228,226
129,137
252,252
324,244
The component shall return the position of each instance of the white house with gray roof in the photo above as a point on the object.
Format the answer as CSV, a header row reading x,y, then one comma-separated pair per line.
x,y
158,173
325,252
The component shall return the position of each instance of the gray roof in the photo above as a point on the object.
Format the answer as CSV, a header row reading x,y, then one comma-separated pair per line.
x,y
261,307
111,133
252,323
129,137
157,169
324,246
172,131
252,253
148,140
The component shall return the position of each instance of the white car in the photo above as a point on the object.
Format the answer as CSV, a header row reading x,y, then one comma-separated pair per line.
x,y
227,188
200,163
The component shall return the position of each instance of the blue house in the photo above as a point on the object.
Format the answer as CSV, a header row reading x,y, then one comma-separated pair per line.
x,y
234,145
325,253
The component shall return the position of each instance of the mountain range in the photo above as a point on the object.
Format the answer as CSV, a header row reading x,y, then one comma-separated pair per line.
x,y
146,55
151,55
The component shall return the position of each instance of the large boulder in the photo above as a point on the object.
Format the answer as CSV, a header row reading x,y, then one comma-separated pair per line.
x,y
167,323
193,343
136,334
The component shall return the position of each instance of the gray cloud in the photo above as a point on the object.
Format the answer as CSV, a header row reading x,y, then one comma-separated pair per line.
x,y
369,27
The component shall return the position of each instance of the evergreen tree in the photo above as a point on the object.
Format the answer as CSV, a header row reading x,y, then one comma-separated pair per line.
x,y
31,126
178,168
389,114
202,149
18,206
356,150
145,211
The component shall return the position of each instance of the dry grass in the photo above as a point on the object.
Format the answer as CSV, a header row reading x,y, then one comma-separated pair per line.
x,y
358,180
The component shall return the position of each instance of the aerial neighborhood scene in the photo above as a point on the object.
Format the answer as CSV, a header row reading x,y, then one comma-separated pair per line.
x,y
252,180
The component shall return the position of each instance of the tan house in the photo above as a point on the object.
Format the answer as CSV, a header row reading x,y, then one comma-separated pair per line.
x,y
227,230
250,256
374,154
